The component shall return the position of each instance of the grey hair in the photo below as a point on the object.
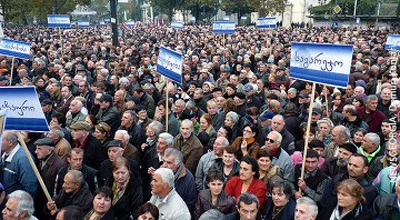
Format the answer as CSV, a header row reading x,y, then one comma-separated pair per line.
x,y
226,142
212,214
371,97
375,139
25,203
190,104
12,136
77,176
57,130
234,116
174,152
180,101
156,126
309,202
80,104
247,198
167,176
278,135
124,81
169,139
360,87
188,122
344,131
124,134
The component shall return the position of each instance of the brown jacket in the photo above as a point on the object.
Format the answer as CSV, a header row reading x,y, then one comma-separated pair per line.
x,y
192,151
62,148
252,148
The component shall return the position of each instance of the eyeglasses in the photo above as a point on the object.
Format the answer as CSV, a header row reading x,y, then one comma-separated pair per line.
x,y
270,140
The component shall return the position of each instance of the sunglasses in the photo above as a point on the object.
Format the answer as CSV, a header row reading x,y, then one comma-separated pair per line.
x,y
270,140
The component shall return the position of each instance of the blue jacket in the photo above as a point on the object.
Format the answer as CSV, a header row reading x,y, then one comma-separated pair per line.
x,y
17,173
185,185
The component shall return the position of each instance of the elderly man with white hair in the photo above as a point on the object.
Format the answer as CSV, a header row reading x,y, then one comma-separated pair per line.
x,y
165,198
306,209
19,206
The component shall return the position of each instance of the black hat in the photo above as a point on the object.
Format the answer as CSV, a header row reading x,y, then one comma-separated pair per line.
x,y
349,146
115,143
247,65
217,90
280,68
240,95
45,141
316,110
106,97
304,95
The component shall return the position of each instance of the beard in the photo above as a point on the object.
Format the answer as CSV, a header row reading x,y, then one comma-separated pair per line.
x,y
341,163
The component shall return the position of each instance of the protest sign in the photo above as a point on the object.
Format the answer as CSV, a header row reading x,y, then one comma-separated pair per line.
x,y
224,27
177,25
321,63
83,24
14,48
269,22
24,112
58,21
393,42
169,64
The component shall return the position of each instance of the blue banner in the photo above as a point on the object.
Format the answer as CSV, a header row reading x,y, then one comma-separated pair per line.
x,y
14,48
266,22
169,64
102,23
224,27
393,42
327,64
83,24
58,21
177,25
24,112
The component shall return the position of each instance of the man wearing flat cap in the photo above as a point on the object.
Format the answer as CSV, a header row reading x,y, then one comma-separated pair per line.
x,y
108,113
48,164
94,154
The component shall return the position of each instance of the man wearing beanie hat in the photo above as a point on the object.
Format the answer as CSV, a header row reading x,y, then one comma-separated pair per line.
x,y
48,164
335,165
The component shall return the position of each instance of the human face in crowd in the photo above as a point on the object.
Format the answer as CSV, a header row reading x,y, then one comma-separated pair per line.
x,y
104,104
229,90
323,128
385,128
248,212
271,143
246,173
70,185
121,175
60,215
157,185
358,136
277,124
222,132
264,163
65,93
367,145
114,153
336,136
218,146
343,157
10,211
346,200
161,109
78,135
372,105
311,164
74,107
228,159
203,124
220,101
99,135
229,122
101,203
248,133
212,109
279,198
179,107
146,216
170,163
303,212
216,187
161,146
126,120
386,94
197,94
356,167
75,160
186,130
320,150
42,151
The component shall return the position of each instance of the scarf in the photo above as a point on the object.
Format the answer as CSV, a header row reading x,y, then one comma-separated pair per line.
x,y
118,191
337,216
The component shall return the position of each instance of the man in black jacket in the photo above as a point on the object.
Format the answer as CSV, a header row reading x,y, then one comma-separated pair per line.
x,y
108,113
136,133
248,208
94,154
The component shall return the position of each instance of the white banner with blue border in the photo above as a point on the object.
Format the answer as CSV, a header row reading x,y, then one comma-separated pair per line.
x,y
58,21
13,48
177,25
169,64
130,23
393,42
327,64
24,112
224,27
83,24
269,22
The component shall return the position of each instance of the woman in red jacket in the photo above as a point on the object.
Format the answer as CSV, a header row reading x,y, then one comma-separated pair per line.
x,y
247,181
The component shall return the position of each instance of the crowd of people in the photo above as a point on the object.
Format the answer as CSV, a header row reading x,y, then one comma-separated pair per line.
x,y
229,141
